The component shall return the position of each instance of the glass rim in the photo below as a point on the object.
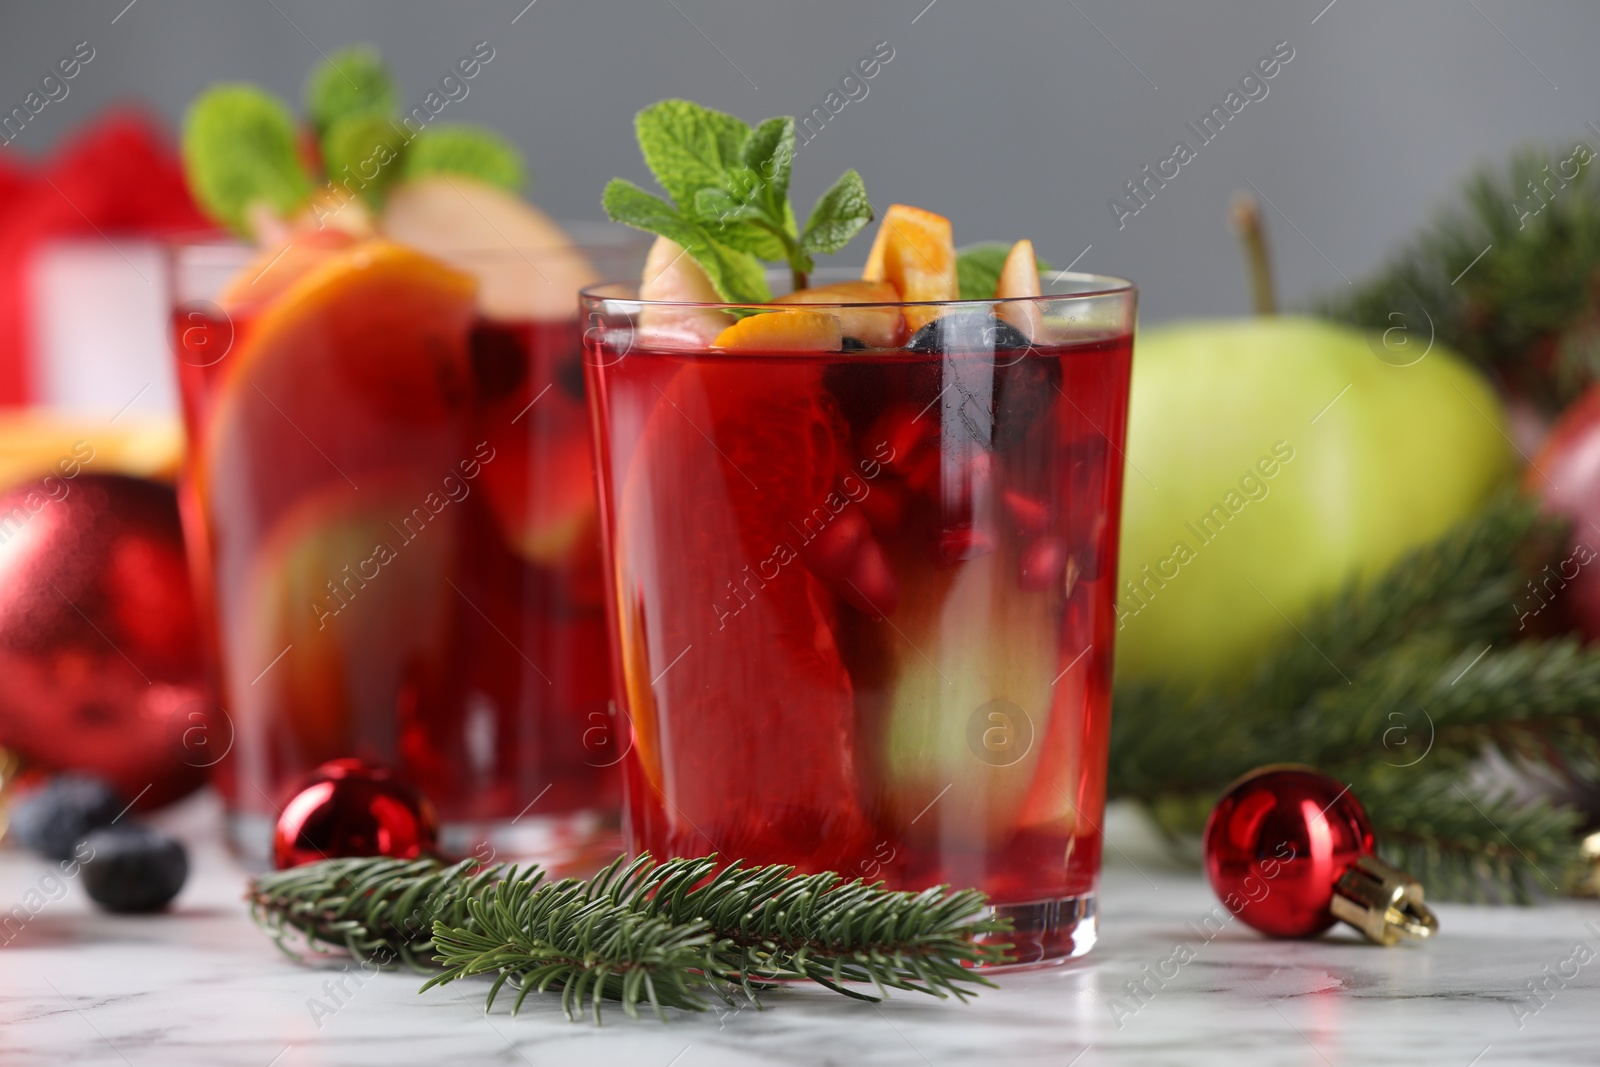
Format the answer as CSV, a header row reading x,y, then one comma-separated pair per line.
x,y
585,235
1102,285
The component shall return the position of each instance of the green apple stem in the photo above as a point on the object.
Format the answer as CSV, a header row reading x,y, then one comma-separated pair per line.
x,y
1247,221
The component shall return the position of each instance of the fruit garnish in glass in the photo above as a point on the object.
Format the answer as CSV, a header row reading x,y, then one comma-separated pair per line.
x,y
390,492
861,536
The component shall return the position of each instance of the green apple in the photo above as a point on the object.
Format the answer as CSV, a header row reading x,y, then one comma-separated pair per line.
x,y
1271,460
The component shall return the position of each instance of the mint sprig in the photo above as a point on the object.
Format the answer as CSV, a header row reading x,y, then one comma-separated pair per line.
x,y
729,189
241,145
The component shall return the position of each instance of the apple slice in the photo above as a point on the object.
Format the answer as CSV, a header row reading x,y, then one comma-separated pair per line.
x,y
976,724
1019,279
672,275
914,252
335,615
525,264
784,331
875,327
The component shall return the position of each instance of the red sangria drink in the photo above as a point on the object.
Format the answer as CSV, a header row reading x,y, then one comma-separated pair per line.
x,y
391,508
862,556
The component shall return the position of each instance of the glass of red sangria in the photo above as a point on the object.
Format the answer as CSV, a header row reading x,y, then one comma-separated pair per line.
x,y
391,511
861,566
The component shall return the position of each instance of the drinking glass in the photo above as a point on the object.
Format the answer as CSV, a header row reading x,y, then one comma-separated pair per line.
x,y
861,600
392,522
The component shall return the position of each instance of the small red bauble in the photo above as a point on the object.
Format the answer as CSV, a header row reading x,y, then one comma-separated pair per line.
x,y
347,807
1276,844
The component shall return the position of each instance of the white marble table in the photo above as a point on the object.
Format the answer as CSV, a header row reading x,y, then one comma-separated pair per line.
x,y
200,985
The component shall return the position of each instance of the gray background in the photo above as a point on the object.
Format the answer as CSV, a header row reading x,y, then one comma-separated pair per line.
x,y
1014,118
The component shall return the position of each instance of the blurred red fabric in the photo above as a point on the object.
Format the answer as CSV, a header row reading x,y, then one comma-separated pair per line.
x,y
118,176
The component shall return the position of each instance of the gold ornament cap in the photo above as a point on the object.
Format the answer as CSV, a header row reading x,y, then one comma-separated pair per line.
x,y
1383,902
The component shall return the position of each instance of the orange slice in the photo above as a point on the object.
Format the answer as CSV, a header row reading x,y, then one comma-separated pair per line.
x,y
784,331
359,366
1019,278
876,327
915,252
279,265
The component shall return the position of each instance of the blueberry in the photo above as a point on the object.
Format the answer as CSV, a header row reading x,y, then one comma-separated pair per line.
x,y
133,868
54,819
967,331
853,344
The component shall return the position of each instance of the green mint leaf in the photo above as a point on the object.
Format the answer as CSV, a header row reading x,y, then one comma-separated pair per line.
x,y
364,152
458,148
737,275
768,159
740,225
978,269
239,149
352,81
839,215
689,147
630,205
718,207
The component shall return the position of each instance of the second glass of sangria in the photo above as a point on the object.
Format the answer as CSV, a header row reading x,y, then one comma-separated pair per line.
x,y
391,511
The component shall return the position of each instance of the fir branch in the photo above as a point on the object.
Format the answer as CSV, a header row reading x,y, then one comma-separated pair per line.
x,y
1462,845
666,934
380,910
1538,701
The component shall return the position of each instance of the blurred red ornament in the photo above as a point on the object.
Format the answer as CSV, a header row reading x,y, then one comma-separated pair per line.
x,y
1565,476
347,807
1289,851
99,646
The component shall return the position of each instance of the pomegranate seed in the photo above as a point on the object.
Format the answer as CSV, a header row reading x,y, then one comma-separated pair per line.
x,y
831,552
1044,560
906,430
870,587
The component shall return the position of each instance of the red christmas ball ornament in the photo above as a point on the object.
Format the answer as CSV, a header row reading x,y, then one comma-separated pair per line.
x,y
99,644
348,807
1289,851
1565,477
